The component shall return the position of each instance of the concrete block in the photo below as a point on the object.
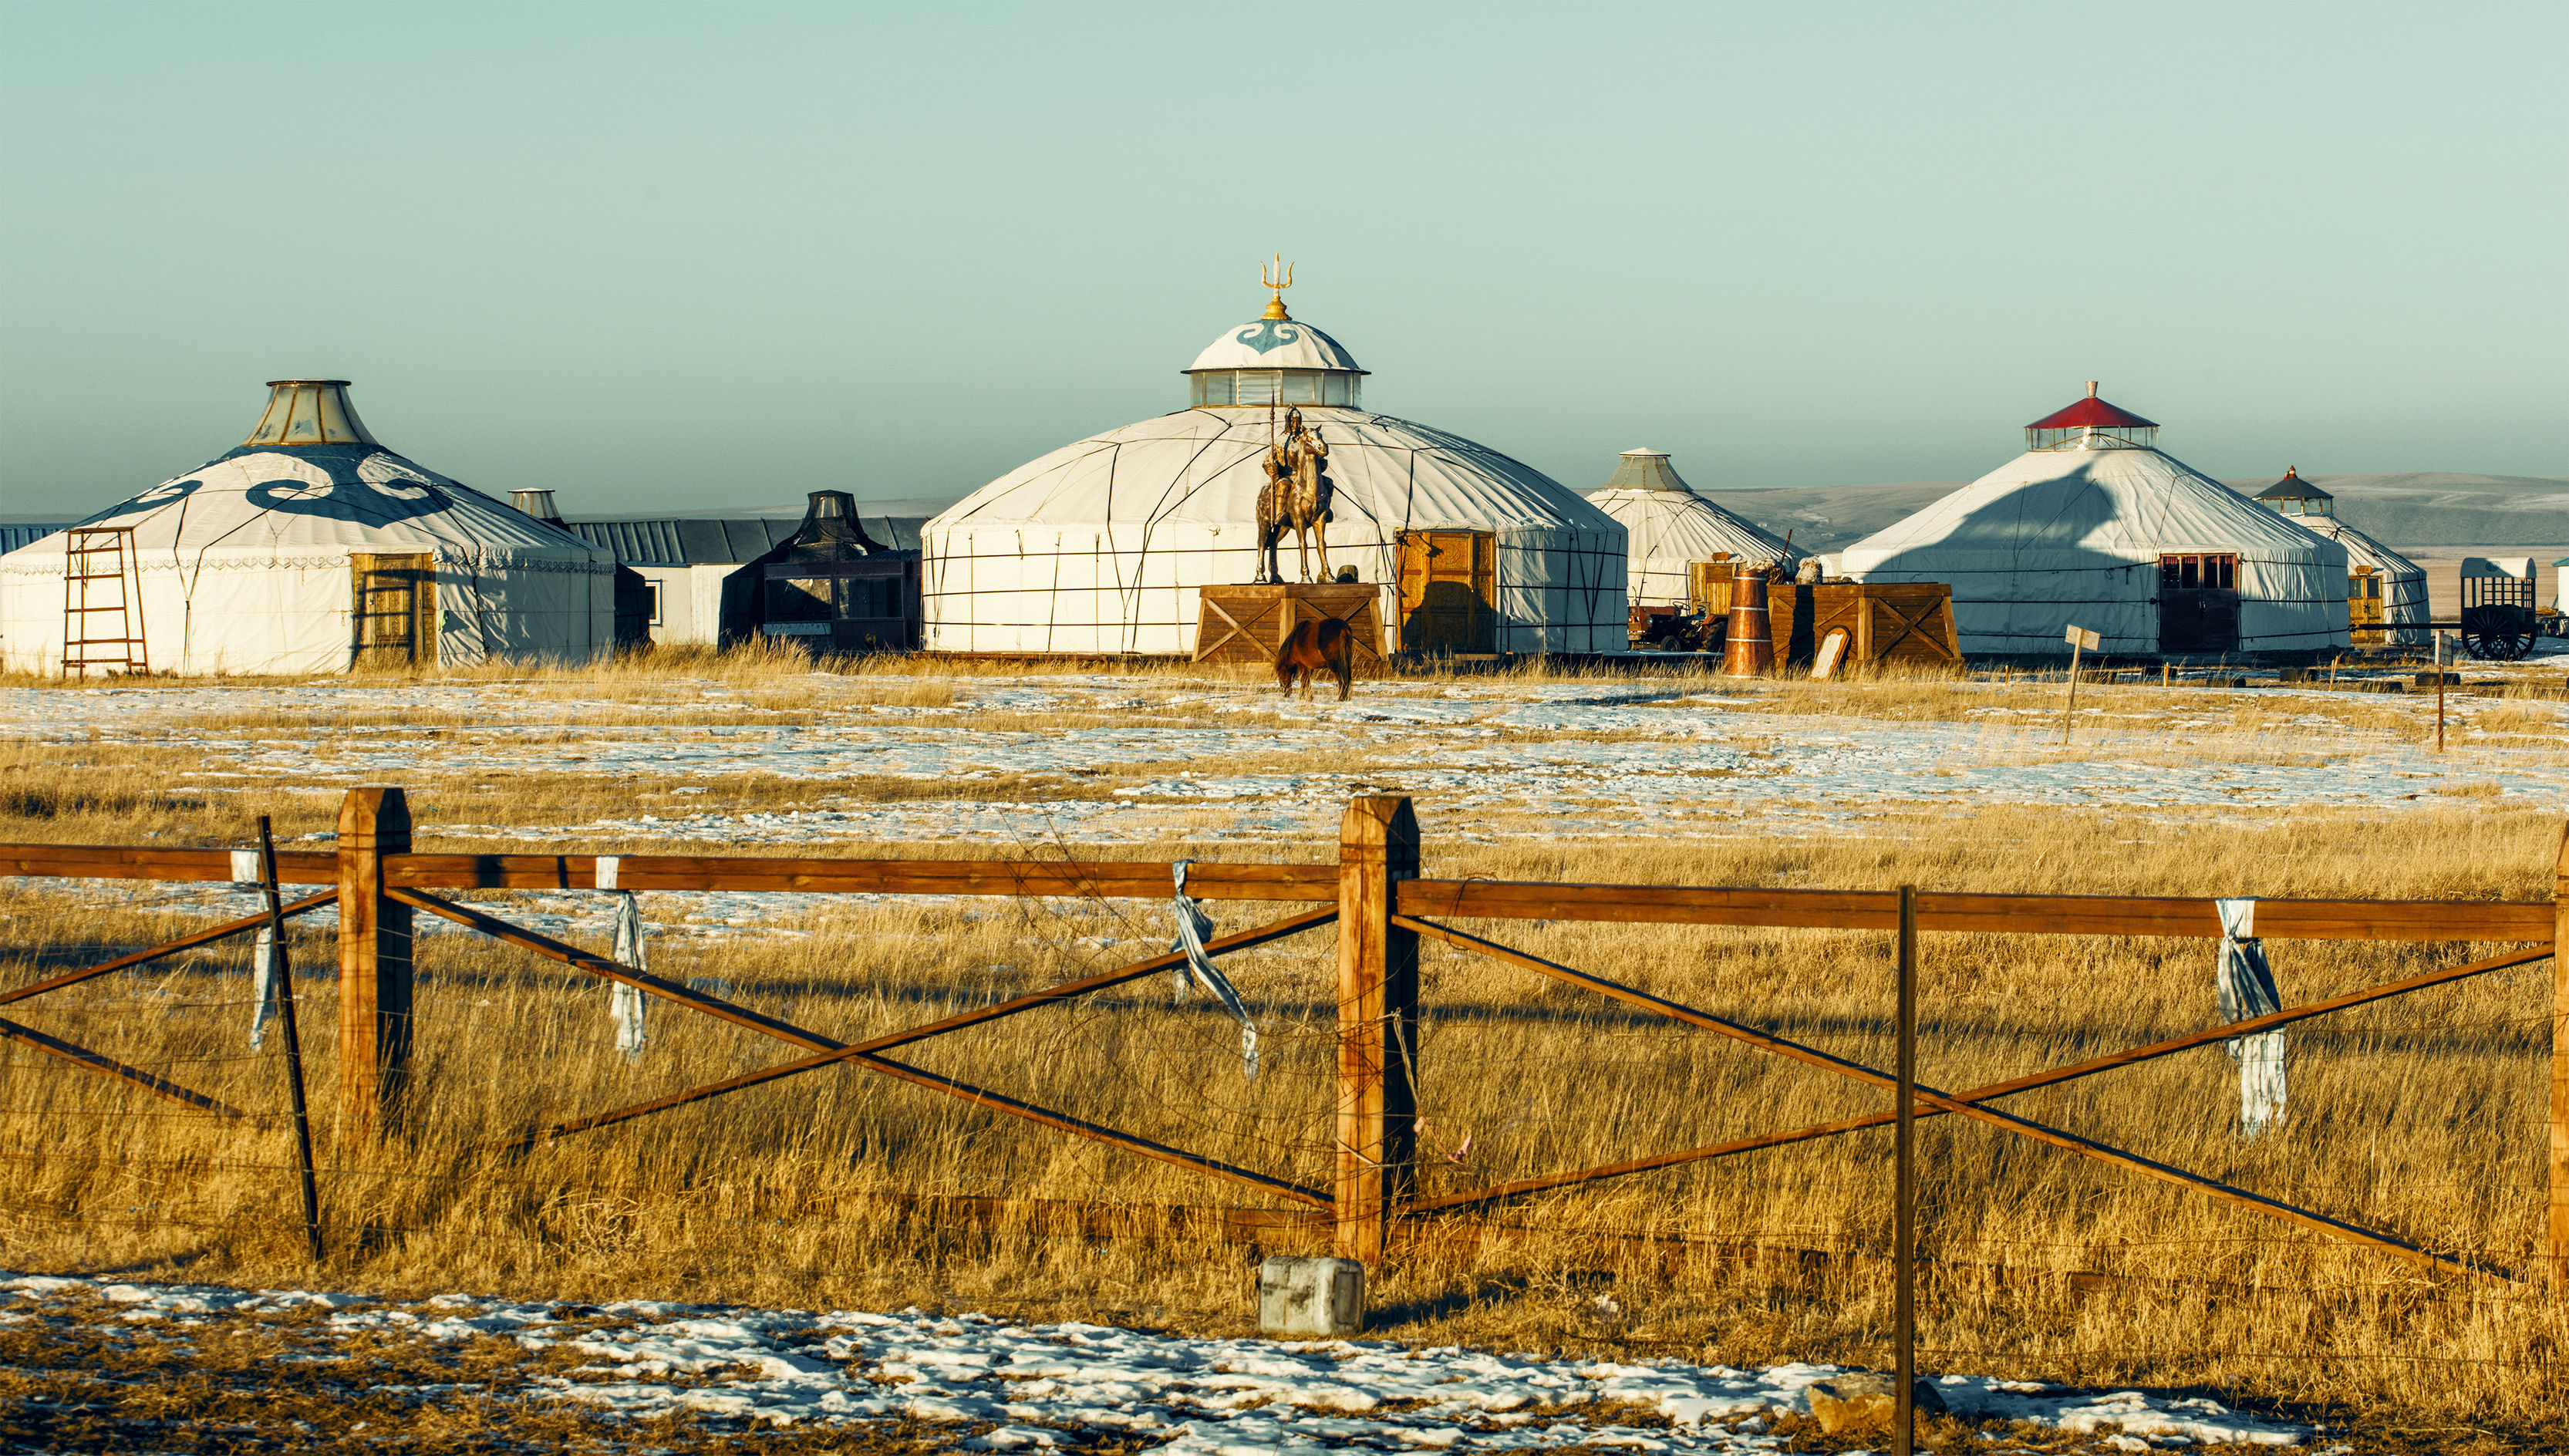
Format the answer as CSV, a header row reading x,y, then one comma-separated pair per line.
x,y
1311,1298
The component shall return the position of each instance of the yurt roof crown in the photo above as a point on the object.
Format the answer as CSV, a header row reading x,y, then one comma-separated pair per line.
x,y
2293,496
2093,424
310,412
1274,359
1644,469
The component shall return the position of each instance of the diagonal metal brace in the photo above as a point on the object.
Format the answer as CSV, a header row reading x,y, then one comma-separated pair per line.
x,y
1927,1097
184,942
2028,1083
739,1015
106,1066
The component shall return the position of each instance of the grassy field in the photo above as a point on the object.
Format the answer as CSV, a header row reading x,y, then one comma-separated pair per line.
x,y
2424,1116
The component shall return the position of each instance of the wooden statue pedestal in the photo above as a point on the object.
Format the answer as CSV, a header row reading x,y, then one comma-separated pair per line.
x,y
1248,623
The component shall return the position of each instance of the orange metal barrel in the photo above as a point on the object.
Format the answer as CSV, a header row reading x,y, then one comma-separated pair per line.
x,y
1752,651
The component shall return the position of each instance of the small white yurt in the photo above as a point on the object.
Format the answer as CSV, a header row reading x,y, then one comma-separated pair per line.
x,y
1668,524
1100,547
2381,585
2094,527
308,548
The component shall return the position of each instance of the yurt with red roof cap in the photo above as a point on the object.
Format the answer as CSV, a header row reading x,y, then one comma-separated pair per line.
x,y
2095,527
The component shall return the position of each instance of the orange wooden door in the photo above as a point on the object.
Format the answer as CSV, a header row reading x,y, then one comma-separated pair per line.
x,y
1449,590
396,608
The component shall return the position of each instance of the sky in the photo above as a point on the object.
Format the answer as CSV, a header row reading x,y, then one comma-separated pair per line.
x,y
690,257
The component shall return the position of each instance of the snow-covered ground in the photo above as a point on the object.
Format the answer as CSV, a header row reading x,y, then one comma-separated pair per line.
x,y
1133,760
1004,1385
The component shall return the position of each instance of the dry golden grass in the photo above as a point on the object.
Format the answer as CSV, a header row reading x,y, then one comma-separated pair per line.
x,y
2422,1115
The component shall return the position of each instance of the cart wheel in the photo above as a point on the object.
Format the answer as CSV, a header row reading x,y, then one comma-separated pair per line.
x,y
2497,633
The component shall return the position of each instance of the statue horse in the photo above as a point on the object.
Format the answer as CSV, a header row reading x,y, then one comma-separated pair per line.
x,y
1296,498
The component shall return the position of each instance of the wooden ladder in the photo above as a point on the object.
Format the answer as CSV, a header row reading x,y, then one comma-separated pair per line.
x,y
95,554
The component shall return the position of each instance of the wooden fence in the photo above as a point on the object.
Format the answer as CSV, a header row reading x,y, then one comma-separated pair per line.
x,y
1384,909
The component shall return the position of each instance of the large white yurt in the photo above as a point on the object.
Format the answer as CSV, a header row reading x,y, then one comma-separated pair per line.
x,y
1100,547
1667,524
310,547
2381,585
2095,527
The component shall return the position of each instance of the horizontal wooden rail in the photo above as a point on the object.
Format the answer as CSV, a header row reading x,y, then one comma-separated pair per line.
x,y
144,957
122,862
1113,879
2019,915
1845,909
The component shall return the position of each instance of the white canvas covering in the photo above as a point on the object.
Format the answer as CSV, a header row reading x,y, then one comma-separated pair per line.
x,y
2404,612
2074,536
1101,546
1668,524
245,566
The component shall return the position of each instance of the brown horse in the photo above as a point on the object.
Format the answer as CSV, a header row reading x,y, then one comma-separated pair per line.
x,y
1312,646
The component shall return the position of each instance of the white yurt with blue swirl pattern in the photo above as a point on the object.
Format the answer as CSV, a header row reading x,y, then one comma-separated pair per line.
x,y
1102,546
304,549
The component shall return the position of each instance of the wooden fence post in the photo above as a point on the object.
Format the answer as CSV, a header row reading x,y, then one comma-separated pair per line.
x,y
2559,1233
374,962
1377,1024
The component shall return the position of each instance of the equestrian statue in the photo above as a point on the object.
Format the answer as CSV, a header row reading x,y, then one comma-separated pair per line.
x,y
1295,497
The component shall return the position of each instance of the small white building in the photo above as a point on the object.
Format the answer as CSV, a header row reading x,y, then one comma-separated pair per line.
x,y
2095,527
1101,546
309,547
1667,524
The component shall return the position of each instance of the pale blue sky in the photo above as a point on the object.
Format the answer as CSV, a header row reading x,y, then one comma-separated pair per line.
x,y
683,257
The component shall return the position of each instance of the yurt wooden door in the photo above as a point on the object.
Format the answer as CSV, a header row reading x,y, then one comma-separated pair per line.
x,y
2364,605
1449,591
2199,603
396,609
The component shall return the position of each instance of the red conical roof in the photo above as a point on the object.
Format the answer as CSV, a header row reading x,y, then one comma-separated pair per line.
x,y
2092,413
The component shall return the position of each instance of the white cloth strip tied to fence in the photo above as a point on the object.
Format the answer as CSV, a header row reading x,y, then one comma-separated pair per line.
x,y
1194,928
624,1004
266,960
2246,986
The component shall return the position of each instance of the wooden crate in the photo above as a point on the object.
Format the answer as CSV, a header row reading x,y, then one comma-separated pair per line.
x,y
1248,623
1886,621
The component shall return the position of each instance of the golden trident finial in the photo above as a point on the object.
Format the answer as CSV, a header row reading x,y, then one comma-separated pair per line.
x,y
1278,277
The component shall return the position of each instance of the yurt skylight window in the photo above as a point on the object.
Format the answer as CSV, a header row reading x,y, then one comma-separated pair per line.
x,y
2093,424
1273,386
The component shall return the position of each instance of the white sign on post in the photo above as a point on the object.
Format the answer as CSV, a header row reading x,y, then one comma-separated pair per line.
x,y
2080,640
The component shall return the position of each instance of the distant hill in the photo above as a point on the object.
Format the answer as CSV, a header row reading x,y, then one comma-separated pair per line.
x,y
2410,507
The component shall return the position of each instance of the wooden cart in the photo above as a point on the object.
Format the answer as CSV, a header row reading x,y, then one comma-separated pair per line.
x,y
1248,623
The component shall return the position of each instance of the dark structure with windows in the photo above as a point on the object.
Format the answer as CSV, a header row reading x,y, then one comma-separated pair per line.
x,y
703,580
838,589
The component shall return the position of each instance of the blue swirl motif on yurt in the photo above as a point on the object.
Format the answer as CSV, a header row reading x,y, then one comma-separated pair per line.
x,y
368,486
164,494
1263,335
